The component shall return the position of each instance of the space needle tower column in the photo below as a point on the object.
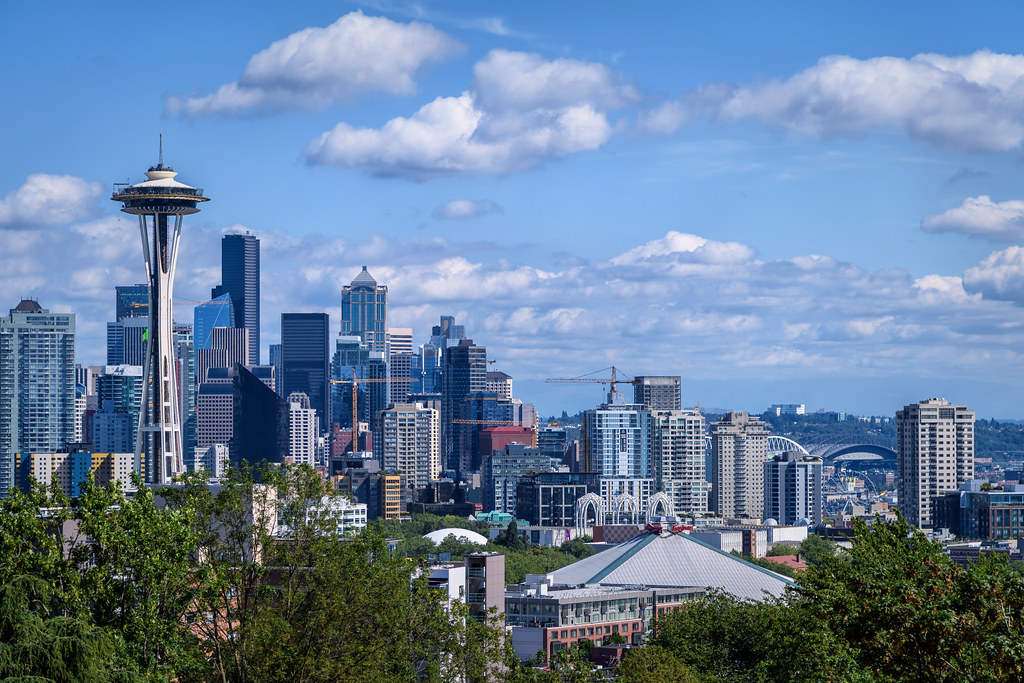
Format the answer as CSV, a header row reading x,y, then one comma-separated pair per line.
x,y
160,203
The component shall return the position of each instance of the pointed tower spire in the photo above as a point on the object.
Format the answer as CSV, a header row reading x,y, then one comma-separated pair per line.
x,y
160,161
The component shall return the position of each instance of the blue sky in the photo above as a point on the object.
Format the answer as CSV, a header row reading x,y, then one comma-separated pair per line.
x,y
815,203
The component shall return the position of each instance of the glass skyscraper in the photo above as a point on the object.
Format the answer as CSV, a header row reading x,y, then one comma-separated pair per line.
x,y
37,384
304,359
240,277
364,311
210,314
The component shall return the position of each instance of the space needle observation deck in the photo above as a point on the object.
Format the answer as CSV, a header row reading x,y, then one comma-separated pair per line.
x,y
160,202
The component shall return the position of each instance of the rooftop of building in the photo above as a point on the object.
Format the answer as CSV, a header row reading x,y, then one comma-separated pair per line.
x,y
672,560
27,306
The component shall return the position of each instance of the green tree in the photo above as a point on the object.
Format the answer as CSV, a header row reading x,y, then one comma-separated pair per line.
x,y
36,645
911,613
654,664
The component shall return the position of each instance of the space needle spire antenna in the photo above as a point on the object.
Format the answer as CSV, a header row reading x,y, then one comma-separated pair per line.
x,y
160,202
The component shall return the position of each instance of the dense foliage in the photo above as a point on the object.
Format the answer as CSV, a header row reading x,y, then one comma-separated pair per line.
x,y
894,608
236,583
241,583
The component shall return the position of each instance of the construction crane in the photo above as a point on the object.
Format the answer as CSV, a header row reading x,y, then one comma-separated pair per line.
x,y
584,379
355,382
488,422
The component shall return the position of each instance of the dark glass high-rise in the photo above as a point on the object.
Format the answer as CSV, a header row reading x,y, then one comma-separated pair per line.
x,y
240,277
304,359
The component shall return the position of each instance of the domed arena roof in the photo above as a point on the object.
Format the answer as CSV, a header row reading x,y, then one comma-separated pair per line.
x,y
460,534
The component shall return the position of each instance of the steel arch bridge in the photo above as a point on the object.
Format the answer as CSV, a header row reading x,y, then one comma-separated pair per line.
x,y
836,451
783,444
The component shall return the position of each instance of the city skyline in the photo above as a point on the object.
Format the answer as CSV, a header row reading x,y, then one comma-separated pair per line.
x,y
816,204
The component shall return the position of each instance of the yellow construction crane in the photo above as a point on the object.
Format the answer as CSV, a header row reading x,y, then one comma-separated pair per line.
x,y
355,382
584,379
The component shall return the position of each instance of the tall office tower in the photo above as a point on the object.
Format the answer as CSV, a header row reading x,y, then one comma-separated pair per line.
x,y
119,392
364,311
378,393
37,384
131,301
185,351
261,427
934,454
214,412
617,445
500,384
80,407
235,342
217,312
400,362
160,203
739,447
266,374
305,363
400,370
302,430
126,341
657,392
677,449
792,489
240,277
351,360
409,445
477,411
275,360
617,439
465,372
502,470
400,339
447,333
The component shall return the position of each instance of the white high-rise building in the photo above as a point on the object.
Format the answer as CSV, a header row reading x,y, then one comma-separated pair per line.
x,y
37,384
303,427
739,448
934,454
410,444
678,450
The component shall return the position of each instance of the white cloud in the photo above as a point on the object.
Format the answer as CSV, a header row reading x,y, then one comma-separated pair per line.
x,y
519,112
999,276
47,199
981,217
316,66
459,209
973,102
689,247
674,304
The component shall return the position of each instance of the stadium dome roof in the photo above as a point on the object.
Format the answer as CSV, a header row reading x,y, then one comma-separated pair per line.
x,y
461,534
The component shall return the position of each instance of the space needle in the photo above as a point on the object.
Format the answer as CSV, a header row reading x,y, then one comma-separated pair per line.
x,y
160,203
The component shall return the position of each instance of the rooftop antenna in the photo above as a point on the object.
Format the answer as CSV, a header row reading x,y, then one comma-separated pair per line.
x,y
161,160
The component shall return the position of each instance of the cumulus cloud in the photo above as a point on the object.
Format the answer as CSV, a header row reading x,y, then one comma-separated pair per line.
x,y
317,66
459,209
519,111
47,199
973,103
981,217
999,276
681,303
690,247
